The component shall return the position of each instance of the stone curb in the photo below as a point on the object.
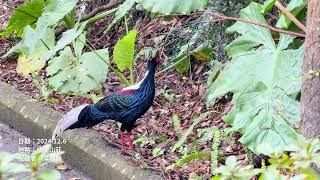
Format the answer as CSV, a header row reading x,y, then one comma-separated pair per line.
x,y
85,150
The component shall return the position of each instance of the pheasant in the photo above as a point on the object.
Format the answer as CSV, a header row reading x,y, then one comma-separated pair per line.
x,y
124,106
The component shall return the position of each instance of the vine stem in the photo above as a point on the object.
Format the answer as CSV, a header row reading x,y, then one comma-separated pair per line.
x,y
285,11
223,18
118,73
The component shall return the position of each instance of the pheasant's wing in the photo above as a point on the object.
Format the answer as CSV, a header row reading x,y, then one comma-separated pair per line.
x,y
115,102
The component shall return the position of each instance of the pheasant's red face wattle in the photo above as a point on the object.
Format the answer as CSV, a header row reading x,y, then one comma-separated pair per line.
x,y
157,60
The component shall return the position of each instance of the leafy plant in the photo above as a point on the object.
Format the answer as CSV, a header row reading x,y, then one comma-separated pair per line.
x,y
34,44
201,52
143,140
121,12
54,11
24,15
264,78
77,72
296,7
31,165
185,135
177,125
233,170
305,152
215,150
168,7
189,157
157,152
123,53
67,37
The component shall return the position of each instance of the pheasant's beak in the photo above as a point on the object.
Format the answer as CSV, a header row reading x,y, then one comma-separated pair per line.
x,y
67,120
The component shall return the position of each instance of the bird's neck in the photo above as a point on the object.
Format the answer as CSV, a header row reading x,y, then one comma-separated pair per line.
x,y
148,77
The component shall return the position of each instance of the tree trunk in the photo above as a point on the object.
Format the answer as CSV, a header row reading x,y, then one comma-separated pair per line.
x,y
310,94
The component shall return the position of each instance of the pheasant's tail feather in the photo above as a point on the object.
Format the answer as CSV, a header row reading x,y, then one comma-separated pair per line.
x,y
67,120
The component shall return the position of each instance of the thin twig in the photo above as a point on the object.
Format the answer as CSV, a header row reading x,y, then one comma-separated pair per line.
x,y
291,16
223,18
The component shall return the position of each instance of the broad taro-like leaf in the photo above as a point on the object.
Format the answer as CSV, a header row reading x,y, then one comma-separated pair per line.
x,y
55,10
24,15
295,7
123,9
67,38
71,74
200,52
123,52
268,5
265,79
168,7
34,44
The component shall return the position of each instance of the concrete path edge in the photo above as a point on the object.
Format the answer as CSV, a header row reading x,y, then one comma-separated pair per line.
x,y
85,149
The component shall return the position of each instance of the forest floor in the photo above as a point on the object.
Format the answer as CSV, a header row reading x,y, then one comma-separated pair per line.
x,y
177,94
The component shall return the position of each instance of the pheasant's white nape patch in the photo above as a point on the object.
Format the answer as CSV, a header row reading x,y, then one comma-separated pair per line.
x,y
67,120
137,86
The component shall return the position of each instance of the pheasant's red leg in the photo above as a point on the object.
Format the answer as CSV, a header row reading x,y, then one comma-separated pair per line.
x,y
122,141
129,139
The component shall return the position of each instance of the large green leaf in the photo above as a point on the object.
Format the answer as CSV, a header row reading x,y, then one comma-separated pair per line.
x,y
55,10
295,7
168,7
24,15
32,47
67,38
121,12
123,52
71,74
264,78
268,5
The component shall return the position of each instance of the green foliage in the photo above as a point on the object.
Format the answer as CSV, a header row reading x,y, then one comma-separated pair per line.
x,y
157,152
168,7
264,78
215,150
305,152
124,8
233,170
295,166
34,44
268,5
190,157
54,11
123,52
77,72
143,140
295,7
177,125
33,168
67,37
24,15
201,52
185,135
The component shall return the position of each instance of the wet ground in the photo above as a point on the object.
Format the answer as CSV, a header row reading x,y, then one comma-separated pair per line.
x,y
11,141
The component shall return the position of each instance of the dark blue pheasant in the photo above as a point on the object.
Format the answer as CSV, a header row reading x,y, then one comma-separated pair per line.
x,y
124,106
